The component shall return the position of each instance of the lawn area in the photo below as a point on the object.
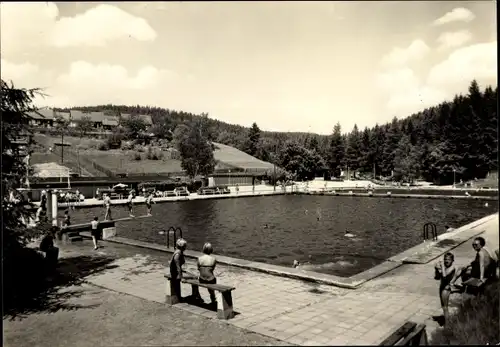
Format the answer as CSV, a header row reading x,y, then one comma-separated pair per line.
x,y
119,161
126,161
76,142
123,161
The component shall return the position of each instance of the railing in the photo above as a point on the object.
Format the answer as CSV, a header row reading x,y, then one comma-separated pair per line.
x,y
433,229
167,235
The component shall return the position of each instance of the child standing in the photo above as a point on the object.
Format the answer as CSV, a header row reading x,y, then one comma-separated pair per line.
x,y
95,231
67,219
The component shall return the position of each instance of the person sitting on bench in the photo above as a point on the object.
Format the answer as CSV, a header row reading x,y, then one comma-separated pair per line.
x,y
51,251
482,268
206,267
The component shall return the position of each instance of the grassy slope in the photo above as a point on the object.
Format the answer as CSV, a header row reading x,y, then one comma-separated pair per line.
x,y
123,161
475,323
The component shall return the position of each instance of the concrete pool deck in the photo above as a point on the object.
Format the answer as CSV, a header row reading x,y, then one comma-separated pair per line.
x,y
293,310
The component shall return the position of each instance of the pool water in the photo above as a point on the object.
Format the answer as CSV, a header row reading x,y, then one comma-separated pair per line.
x,y
311,229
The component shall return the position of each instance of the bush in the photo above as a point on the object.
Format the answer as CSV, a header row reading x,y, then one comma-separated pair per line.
x,y
157,156
24,273
154,154
103,146
475,323
127,145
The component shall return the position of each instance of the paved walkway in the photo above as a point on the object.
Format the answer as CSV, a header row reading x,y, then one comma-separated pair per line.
x,y
292,310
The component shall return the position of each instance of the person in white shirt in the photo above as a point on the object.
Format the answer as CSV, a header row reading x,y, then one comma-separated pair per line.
x,y
130,203
107,205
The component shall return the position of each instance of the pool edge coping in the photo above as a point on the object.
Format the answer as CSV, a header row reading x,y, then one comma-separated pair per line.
x,y
352,282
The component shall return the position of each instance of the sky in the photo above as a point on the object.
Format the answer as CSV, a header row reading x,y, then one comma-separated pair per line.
x,y
288,66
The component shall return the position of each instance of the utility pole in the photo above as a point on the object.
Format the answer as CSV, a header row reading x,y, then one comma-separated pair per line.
x,y
62,143
374,176
78,159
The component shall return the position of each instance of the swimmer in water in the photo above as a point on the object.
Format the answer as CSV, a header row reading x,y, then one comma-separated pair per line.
x,y
348,234
266,226
486,204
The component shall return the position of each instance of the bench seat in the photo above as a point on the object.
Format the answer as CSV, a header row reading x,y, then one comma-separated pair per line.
x,y
223,294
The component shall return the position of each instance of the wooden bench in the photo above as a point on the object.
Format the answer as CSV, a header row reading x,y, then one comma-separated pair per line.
x,y
409,334
223,295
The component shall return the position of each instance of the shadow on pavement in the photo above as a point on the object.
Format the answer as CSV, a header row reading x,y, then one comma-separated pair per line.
x,y
191,300
51,292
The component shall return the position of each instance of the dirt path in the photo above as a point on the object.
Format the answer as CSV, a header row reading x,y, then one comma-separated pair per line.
x,y
100,317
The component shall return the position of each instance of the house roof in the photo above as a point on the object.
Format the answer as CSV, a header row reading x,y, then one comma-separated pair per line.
x,y
63,115
227,157
95,117
42,114
145,117
110,120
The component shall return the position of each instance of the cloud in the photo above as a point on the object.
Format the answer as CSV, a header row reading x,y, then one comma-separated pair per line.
x,y
406,93
83,83
417,50
27,26
99,25
397,79
477,61
22,75
454,39
458,14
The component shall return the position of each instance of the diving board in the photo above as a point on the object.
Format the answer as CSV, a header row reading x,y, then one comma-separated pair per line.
x,y
108,227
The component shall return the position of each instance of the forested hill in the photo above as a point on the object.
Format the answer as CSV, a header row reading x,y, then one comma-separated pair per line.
x,y
458,135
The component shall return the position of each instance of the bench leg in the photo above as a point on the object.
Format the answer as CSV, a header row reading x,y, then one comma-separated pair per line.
x,y
172,292
195,291
225,305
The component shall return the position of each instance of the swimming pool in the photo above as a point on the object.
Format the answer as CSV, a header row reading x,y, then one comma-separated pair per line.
x,y
302,227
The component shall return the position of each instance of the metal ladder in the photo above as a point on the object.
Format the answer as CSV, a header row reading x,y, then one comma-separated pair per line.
x,y
167,235
432,227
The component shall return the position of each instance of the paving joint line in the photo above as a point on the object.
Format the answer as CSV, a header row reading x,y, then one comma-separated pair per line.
x,y
286,312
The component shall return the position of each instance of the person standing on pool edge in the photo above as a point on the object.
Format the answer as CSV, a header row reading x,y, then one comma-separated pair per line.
x,y
95,231
149,201
107,205
130,203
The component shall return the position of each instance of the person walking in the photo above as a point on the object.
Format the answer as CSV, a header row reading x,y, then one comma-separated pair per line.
x,y
149,201
94,232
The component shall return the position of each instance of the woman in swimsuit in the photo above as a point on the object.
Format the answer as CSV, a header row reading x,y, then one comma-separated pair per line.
x,y
445,272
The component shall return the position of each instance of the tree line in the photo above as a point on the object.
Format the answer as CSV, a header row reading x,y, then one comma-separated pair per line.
x,y
456,139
